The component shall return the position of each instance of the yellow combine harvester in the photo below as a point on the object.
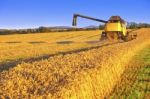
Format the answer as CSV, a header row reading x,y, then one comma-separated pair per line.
x,y
115,28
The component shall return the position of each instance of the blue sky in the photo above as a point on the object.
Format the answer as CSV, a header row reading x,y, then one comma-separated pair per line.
x,y
35,13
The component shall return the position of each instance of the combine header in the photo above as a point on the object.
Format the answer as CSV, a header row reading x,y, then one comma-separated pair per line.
x,y
115,28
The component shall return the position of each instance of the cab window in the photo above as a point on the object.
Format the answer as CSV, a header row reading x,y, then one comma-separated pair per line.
x,y
113,21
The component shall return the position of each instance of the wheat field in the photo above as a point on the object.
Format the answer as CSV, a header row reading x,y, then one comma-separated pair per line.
x,y
29,46
64,65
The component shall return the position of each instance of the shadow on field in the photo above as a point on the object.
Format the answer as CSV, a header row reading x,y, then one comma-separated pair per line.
x,y
88,42
36,42
13,42
57,42
4,66
92,42
64,42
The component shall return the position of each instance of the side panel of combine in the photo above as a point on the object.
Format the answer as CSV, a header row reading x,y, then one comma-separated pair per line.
x,y
124,31
110,27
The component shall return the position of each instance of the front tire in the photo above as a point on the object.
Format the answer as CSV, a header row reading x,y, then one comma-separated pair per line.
x,y
103,36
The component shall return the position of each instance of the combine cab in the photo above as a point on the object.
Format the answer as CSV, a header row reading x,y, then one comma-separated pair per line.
x,y
115,28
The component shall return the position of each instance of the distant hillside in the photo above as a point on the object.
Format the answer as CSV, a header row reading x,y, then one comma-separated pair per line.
x,y
59,27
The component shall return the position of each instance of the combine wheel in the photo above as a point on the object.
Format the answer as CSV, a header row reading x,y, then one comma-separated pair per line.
x,y
120,36
103,36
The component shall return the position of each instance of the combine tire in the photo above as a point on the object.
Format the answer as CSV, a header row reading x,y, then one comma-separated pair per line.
x,y
103,36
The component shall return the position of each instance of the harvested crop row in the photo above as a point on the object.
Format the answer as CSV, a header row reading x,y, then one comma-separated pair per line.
x,y
84,75
134,82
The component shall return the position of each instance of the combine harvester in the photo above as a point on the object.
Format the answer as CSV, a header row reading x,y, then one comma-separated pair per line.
x,y
115,28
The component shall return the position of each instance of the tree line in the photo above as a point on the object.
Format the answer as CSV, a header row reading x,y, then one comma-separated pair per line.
x,y
41,30
133,25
